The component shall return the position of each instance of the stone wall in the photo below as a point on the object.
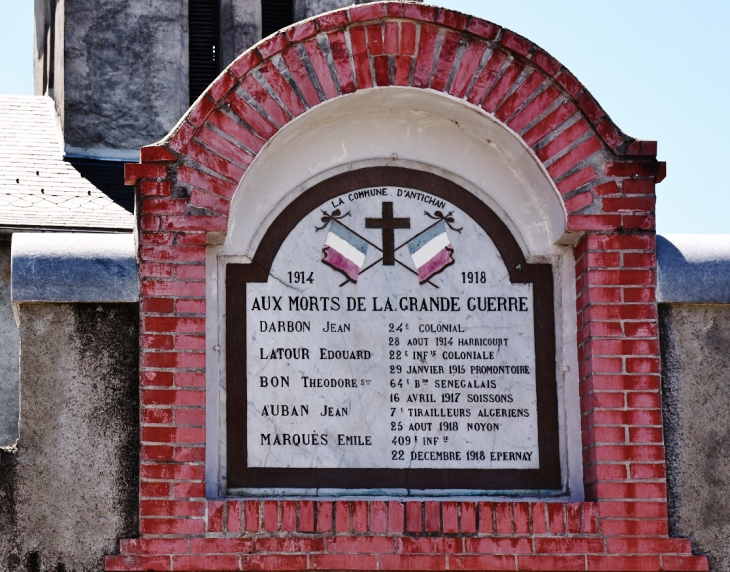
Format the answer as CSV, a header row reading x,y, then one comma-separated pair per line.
x,y
69,490
695,342
8,357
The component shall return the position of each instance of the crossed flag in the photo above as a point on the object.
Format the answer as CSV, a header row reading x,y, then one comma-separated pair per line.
x,y
345,250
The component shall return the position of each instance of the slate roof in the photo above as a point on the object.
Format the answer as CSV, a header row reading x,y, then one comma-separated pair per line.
x,y
37,187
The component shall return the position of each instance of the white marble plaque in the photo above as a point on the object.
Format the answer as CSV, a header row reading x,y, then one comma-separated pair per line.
x,y
389,336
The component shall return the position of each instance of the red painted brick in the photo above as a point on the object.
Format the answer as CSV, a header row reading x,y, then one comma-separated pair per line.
x,y
567,138
135,171
262,562
403,66
343,516
286,94
408,38
321,69
378,517
504,517
452,19
578,202
450,517
220,545
360,58
271,516
238,133
555,518
610,133
428,545
468,518
425,59
324,516
154,490
413,517
467,68
288,516
641,527
299,73
633,563
173,526
647,471
539,518
306,516
569,545
432,516
258,123
272,45
360,544
245,63
594,222
532,110
172,508
482,562
157,154
367,12
551,122
267,103
181,137
639,186
155,189
412,562
396,517
382,70
553,563
445,60
391,38
289,544
519,96
360,516
498,545
332,20
631,168
516,43
188,490
341,57
503,86
301,31
573,157
251,515
343,562
521,518
201,110
486,519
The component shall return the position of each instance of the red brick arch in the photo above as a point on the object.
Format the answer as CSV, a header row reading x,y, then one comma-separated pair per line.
x,y
186,183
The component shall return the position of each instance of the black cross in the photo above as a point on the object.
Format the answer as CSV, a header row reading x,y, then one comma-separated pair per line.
x,y
388,224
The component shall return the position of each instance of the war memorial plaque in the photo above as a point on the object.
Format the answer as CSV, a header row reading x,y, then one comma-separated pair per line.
x,y
390,334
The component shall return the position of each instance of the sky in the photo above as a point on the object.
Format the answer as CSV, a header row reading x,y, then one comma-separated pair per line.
x,y
660,69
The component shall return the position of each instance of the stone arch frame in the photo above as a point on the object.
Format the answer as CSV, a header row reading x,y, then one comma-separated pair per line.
x,y
185,184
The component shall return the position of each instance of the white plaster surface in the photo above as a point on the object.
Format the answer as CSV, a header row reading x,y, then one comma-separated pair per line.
x,y
411,128
404,396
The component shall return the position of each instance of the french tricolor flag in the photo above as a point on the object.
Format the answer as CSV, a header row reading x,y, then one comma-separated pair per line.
x,y
431,251
344,251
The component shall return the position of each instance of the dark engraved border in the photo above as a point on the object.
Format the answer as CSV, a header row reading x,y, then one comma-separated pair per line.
x,y
547,477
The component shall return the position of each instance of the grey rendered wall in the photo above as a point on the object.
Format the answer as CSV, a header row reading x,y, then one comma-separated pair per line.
x,y
8,357
126,69
70,489
695,342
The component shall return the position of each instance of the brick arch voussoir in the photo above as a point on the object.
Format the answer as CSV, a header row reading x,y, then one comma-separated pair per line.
x,y
399,44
